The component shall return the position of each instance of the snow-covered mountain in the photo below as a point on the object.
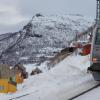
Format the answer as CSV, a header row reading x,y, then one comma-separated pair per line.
x,y
41,38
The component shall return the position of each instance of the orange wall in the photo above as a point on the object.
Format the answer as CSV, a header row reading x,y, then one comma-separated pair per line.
x,y
86,49
19,78
7,87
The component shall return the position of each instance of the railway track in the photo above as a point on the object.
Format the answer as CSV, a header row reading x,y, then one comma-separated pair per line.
x,y
84,92
69,97
19,97
23,95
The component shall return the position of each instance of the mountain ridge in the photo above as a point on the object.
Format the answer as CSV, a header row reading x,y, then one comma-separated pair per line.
x,y
42,38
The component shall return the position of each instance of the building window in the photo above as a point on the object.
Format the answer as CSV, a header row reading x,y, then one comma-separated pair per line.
x,y
0,74
12,79
1,87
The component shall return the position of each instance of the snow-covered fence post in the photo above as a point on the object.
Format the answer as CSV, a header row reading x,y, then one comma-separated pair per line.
x,y
76,39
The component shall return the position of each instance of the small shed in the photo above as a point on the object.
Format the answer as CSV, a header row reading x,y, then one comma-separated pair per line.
x,y
11,76
7,79
86,49
21,69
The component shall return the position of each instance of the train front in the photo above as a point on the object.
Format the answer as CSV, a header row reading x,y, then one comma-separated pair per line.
x,y
95,54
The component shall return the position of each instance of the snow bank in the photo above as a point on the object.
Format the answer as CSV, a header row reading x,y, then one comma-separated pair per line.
x,y
43,67
61,82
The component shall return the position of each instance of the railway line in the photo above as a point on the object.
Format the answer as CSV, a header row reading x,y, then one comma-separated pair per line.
x,y
69,97
84,92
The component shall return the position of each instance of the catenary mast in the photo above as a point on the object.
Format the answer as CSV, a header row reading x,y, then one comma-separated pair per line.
x,y
98,12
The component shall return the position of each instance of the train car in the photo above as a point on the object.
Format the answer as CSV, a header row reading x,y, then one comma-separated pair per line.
x,y
95,54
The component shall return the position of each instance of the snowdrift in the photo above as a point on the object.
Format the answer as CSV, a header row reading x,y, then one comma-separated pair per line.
x,y
61,82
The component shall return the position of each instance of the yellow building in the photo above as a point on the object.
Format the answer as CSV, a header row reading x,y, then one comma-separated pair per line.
x,y
11,76
6,86
7,79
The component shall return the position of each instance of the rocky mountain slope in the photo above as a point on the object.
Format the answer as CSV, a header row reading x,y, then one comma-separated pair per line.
x,y
42,38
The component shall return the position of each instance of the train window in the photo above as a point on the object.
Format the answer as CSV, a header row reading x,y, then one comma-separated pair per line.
x,y
97,40
98,30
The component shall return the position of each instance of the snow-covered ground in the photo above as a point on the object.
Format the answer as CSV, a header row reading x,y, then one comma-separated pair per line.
x,y
43,67
65,80
92,95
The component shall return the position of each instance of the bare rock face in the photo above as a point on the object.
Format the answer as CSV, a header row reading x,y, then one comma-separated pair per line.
x,y
42,38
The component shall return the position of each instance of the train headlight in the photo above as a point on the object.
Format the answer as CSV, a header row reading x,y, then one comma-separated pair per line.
x,y
94,60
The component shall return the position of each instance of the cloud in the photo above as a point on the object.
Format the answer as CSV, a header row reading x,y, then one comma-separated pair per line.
x,y
10,16
14,12
10,19
85,7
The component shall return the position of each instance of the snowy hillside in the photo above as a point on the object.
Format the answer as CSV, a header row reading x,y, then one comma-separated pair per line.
x,y
42,38
61,82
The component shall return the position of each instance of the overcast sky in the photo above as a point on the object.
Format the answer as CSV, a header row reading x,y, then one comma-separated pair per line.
x,y
14,13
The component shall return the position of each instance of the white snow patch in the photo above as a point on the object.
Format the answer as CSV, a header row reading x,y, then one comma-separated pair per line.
x,y
23,58
30,67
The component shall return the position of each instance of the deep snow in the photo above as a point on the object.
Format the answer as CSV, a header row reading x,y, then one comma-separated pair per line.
x,y
66,79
